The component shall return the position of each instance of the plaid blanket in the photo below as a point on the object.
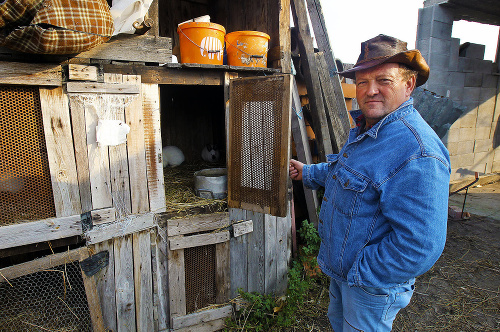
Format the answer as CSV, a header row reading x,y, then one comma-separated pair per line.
x,y
58,26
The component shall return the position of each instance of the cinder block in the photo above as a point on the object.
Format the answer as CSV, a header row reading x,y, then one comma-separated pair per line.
x,y
438,89
488,94
482,66
453,135
468,120
456,93
456,79
440,46
465,160
473,79
481,160
467,134
465,147
453,148
441,30
485,115
470,106
423,45
483,145
490,81
439,77
472,51
471,94
483,133
465,65
495,168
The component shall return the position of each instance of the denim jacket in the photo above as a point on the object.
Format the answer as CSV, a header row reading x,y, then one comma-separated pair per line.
x,y
384,211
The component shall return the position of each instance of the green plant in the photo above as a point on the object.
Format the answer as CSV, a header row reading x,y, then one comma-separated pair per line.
x,y
309,234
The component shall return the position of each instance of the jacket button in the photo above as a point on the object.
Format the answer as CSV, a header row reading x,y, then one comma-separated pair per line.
x,y
345,155
325,199
346,183
334,177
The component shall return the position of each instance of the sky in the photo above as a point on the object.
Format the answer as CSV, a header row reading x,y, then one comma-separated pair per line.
x,y
351,22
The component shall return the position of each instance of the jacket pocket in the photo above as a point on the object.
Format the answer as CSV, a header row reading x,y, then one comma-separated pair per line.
x,y
349,189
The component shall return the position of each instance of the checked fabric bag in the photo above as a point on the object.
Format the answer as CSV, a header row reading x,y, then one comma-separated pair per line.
x,y
54,26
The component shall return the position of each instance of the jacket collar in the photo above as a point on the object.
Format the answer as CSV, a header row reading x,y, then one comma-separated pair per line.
x,y
397,114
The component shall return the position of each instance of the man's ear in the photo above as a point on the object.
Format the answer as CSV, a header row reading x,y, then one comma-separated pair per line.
x,y
410,85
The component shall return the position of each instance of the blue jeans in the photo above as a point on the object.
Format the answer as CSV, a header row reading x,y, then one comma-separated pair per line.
x,y
364,308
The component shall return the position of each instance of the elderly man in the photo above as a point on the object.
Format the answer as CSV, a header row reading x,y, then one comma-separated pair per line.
x,y
384,211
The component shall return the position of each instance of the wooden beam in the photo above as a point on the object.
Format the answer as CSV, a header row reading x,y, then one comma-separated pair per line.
x,y
60,151
242,228
270,252
40,264
183,242
285,37
105,285
125,47
30,73
201,317
160,279
222,272
176,282
82,72
238,256
198,223
103,216
39,231
312,79
143,280
256,254
91,87
124,291
133,224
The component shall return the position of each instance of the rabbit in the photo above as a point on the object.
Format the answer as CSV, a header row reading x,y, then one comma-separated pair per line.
x,y
172,156
210,153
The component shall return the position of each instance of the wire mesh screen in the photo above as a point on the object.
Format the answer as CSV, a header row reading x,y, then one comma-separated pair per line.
x,y
259,122
49,300
25,184
200,268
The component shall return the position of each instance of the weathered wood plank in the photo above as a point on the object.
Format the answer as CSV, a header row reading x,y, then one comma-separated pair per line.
x,y
303,153
43,263
285,36
143,281
270,250
124,276
256,258
198,223
93,302
242,228
214,325
78,122
103,216
222,271
132,48
82,72
332,89
39,231
133,224
98,157
30,73
118,162
92,87
136,150
283,250
106,286
183,242
59,140
176,282
201,317
239,255
160,279
313,84
152,137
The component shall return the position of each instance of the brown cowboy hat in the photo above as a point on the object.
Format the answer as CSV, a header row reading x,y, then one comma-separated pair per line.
x,y
386,49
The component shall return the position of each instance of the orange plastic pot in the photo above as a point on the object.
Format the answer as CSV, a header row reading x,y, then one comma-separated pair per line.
x,y
247,48
201,42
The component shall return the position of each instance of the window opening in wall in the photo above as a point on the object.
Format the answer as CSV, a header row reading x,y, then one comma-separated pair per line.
x,y
193,136
477,33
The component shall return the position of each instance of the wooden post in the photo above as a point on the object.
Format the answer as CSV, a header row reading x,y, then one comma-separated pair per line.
x,y
312,79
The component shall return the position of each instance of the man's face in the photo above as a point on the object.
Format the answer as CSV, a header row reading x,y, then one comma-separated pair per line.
x,y
380,90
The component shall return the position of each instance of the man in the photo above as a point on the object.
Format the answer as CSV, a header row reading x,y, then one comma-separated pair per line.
x,y
384,211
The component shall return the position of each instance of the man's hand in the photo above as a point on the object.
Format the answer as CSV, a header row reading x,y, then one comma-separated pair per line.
x,y
295,169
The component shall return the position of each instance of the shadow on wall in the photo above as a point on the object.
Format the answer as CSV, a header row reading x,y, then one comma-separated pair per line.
x,y
439,112
496,136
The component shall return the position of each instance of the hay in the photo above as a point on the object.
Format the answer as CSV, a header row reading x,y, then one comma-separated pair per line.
x,y
179,189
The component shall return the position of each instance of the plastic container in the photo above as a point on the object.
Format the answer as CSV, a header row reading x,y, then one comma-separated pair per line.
x,y
247,48
201,42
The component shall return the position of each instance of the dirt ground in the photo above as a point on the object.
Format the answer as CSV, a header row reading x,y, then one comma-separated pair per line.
x,y
461,292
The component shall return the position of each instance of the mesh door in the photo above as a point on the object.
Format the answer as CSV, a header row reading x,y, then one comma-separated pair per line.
x,y
25,184
200,267
50,300
259,143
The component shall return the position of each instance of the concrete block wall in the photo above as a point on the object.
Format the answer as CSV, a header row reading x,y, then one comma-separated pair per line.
x,y
460,73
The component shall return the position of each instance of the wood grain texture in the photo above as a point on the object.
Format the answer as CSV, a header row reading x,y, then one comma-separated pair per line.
x,y
238,256
176,282
197,223
61,155
134,117
143,281
211,326
103,216
94,87
133,224
201,317
82,72
160,278
106,285
256,253
152,137
39,231
183,242
283,251
124,284
270,250
30,73
242,228
94,303
222,271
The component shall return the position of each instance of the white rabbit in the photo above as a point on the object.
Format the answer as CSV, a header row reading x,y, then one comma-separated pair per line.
x,y
172,156
210,153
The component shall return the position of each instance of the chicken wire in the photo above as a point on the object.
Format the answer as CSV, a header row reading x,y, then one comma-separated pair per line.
x,y
200,267
25,184
49,300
